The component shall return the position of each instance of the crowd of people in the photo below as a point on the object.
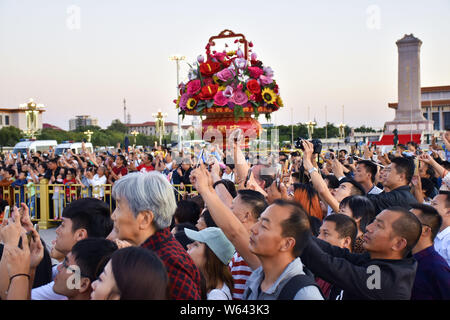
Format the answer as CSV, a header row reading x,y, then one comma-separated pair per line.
x,y
301,225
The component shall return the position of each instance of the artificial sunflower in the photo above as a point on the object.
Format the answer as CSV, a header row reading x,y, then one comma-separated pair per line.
x,y
280,102
269,96
191,103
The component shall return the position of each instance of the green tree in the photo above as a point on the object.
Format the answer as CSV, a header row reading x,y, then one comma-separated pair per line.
x,y
9,136
117,125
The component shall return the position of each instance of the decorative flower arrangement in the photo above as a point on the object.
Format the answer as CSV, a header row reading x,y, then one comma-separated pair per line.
x,y
229,80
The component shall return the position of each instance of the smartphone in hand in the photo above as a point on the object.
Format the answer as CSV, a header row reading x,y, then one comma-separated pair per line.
x,y
7,213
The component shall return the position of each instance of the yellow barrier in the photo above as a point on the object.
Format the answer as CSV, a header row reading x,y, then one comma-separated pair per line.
x,y
47,201
184,190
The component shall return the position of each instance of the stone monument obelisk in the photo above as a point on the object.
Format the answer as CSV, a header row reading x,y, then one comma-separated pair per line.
x,y
408,116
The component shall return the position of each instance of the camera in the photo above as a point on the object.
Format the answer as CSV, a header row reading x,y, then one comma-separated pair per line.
x,y
317,144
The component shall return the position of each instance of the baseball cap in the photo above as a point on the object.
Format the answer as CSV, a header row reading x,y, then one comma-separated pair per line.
x,y
216,240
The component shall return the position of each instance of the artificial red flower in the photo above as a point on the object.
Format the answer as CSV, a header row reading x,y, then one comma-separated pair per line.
x,y
253,86
209,68
255,72
208,92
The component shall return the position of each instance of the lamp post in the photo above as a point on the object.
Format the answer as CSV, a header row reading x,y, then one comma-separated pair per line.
x,y
134,133
160,123
342,130
177,59
31,111
311,124
89,133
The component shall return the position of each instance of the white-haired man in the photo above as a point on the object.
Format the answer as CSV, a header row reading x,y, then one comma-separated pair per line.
x,y
145,206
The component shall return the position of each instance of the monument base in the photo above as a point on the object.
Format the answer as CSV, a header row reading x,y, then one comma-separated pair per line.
x,y
416,127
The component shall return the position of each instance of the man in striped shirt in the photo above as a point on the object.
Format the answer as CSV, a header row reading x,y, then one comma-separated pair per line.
x,y
247,207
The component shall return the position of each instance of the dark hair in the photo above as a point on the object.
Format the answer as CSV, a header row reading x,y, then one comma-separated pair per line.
x,y
11,172
267,178
344,226
333,182
215,270
296,175
406,166
139,274
121,157
198,200
229,185
90,214
362,208
296,226
408,227
181,236
430,217
357,188
370,167
428,187
92,254
209,221
187,211
255,200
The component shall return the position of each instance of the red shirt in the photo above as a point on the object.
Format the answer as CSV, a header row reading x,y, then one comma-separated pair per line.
x,y
184,276
143,168
120,170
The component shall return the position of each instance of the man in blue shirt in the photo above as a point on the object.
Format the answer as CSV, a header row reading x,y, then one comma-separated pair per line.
x,y
433,273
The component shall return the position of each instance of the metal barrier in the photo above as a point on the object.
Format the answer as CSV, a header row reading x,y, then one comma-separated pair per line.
x,y
47,201
184,191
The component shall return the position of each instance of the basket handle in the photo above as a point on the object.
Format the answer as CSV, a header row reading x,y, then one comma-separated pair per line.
x,y
230,34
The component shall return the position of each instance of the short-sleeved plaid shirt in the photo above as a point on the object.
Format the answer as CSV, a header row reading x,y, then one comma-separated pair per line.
x,y
184,276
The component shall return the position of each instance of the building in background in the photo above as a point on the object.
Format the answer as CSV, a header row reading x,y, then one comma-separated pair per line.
x,y
435,104
149,128
82,121
17,118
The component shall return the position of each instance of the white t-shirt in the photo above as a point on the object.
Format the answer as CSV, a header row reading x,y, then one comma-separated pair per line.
x,y
223,293
98,181
442,244
46,292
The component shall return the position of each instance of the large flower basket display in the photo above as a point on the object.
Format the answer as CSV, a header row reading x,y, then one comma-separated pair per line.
x,y
229,88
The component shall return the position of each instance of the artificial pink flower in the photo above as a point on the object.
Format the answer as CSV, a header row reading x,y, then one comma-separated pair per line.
x,y
193,87
220,99
265,80
239,97
225,75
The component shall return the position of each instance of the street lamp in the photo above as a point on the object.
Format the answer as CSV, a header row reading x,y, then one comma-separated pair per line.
x,y
311,125
134,133
177,59
89,133
31,111
342,130
160,124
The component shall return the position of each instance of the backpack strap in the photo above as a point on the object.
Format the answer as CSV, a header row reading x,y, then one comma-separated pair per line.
x,y
294,284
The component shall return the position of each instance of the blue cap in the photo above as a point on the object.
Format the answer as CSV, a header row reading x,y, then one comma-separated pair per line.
x,y
216,240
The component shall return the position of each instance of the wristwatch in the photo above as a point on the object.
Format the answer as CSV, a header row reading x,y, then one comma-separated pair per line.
x,y
312,170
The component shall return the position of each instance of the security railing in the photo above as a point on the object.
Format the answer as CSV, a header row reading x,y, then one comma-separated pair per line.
x,y
46,202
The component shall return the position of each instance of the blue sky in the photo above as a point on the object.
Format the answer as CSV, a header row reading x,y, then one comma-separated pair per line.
x,y
330,53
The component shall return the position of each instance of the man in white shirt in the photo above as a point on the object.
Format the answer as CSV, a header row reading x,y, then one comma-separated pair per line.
x,y
81,219
441,203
